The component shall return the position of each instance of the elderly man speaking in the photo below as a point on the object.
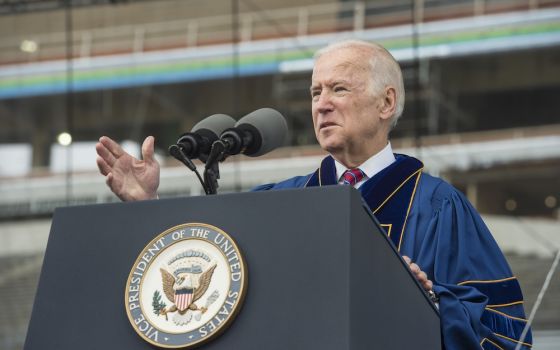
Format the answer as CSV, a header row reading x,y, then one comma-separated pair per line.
x,y
357,97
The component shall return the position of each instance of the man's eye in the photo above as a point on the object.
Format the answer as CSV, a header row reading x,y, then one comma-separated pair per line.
x,y
339,88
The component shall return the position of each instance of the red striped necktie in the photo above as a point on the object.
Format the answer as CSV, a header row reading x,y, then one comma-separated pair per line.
x,y
352,176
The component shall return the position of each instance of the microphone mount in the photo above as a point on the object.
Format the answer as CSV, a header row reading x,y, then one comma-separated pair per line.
x,y
243,138
177,152
212,168
234,140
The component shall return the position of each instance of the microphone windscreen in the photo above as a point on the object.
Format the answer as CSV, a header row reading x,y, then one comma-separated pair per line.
x,y
215,124
270,126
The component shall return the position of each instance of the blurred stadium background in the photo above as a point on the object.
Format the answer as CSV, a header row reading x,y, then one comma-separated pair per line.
x,y
482,109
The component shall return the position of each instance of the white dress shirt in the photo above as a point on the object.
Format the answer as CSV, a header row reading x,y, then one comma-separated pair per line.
x,y
370,167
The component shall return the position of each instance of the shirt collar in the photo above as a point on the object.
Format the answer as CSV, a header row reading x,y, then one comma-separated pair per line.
x,y
372,166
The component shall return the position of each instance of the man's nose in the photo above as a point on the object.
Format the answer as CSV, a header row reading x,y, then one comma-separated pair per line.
x,y
324,103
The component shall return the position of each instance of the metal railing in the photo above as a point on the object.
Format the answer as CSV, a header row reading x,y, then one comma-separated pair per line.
x,y
255,25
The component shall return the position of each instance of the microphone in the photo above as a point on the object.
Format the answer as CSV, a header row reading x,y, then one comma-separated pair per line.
x,y
198,142
255,134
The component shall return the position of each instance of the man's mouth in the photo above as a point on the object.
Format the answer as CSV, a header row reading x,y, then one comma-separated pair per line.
x,y
324,125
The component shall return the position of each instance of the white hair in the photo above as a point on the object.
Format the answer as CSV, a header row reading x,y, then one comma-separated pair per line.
x,y
385,71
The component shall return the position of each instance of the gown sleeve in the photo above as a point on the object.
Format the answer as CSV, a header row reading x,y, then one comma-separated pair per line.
x,y
480,301
294,182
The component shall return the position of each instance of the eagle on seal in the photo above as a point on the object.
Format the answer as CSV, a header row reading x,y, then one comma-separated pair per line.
x,y
183,292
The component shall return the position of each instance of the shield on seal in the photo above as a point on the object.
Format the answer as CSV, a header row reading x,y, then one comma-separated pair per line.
x,y
183,298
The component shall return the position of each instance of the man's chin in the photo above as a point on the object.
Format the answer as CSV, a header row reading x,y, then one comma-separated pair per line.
x,y
331,146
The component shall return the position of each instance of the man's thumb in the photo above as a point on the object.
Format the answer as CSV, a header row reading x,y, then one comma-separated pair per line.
x,y
148,149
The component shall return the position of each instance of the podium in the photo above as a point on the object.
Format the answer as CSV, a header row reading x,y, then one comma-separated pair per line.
x,y
321,274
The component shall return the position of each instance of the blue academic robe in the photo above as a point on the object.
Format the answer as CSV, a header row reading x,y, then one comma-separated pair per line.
x,y
480,301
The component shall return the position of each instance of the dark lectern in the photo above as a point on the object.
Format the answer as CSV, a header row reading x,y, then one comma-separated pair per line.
x,y
321,274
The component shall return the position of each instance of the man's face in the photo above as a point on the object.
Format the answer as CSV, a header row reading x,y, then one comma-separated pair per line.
x,y
344,108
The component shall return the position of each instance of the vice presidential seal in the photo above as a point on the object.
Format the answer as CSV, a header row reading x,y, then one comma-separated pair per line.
x,y
186,286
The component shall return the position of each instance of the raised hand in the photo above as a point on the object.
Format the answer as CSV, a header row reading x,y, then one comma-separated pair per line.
x,y
129,178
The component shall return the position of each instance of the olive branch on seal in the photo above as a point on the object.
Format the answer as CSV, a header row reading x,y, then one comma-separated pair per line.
x,y
158,304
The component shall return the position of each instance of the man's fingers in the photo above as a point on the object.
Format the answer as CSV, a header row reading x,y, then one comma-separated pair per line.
x,y
420,275
104,168
148,149
428,285
109,181
113,147
105,154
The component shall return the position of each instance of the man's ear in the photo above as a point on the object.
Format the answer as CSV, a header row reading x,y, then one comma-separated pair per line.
x,y
388,103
